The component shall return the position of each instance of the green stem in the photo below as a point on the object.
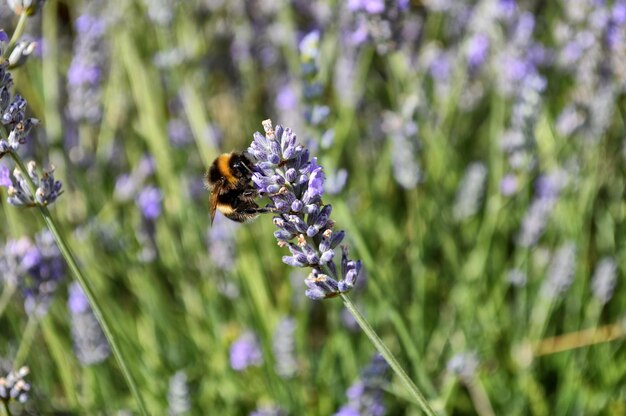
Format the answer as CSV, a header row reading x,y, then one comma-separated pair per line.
x,y
5,408
82,280
7,294
388,356
16,35
26,342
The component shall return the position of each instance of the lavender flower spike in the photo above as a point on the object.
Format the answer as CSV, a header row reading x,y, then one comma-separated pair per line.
x,y
47,188
294,182
13,387
12,113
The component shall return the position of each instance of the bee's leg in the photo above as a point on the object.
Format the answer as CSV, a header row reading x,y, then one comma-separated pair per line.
x,y
266,209
257,210
252,193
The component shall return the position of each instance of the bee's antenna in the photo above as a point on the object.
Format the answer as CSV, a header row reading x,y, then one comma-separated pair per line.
x,y
248,156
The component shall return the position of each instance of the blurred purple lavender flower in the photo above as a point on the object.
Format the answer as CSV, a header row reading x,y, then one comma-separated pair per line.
x,y
283,346
316,113
127,185
336,181
160,12
295,185
149,202
463,365
405,144
179,132
477,51
604,280
13,387
221,243
178,400
471,190
90,344
365,396
84,76
286,98
47,188
245,352
377,21
547,190
561,272
268,411
590,45
522,55
508,185
12,260
518,141
5,177
309,52
12,114
148,199
45,270
4,41
516,277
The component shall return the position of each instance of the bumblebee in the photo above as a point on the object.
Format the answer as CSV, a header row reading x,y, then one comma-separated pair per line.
x,y
230,180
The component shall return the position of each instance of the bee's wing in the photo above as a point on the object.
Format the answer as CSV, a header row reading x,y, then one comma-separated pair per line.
x,y
215,191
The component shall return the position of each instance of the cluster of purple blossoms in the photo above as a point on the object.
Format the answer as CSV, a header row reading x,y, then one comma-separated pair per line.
x,y
378,22
463,365
47,188
561,272
268,411
294,182
12,112
13,260
283,346
547,191
84,76
316,113
178,400
245,352
221,243
604,280
90,344
149,202
365,396
36,269
127,185
471,190
590,46
45,269
403,131
13,387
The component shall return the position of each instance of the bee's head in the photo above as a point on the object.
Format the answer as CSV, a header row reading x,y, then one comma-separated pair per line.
x,y
240,165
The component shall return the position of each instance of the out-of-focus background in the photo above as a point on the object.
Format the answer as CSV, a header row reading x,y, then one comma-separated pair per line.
x,y
474,155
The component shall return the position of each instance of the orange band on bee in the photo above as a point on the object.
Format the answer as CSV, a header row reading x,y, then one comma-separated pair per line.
x,y
222,165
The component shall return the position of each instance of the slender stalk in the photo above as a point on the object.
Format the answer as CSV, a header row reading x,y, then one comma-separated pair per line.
x,y
16,35
27,340
388,356
5,409
5,298
82,280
